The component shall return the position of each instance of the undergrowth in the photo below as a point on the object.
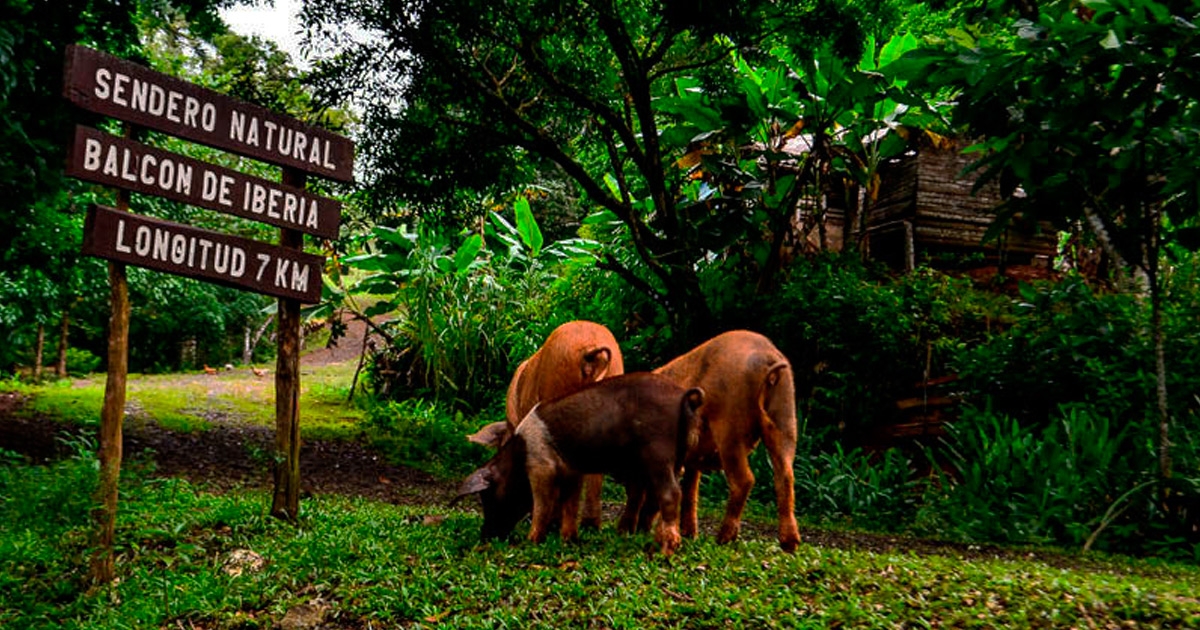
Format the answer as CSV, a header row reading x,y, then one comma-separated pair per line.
x,y
188,558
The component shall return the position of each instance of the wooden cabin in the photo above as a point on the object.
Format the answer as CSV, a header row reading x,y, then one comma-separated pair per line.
x,y
926,211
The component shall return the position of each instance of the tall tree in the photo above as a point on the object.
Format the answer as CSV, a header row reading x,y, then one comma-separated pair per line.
x,y
1091,109
456,92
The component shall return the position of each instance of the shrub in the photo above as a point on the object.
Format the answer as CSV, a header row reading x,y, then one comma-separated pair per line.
x,y
859,342
81,362
426,435
1080,475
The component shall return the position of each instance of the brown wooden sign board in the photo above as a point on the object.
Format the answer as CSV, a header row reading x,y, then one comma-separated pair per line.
x,y
114,161
115,87
195,253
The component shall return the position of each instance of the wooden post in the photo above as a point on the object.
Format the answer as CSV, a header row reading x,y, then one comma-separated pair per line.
x,y
910,247
111,416
285,503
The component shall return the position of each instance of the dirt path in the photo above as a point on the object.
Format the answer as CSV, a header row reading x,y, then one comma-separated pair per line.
x,y
232,452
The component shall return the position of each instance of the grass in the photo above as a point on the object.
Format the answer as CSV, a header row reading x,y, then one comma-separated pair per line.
x,y
190,402
363,564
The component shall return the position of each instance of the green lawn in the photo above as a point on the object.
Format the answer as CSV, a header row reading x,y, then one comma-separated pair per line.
x,y
358,564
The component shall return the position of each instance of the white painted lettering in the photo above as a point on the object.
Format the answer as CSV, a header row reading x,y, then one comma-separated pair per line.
x,y
208,185
328,164
263,261
271,127
205,245
142,240
190,110
157,101
312,215
102,90
299,277
112,163
226,188
141,94
91,154
289,207
237,126
221,258
208,117
237,266
173,106
118,93
121,245
301,143
162,245
147,165
127,168
179,245
285,140
281,267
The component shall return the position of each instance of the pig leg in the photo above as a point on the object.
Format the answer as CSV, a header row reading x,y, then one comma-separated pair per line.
x,y
570,488
688,520
545,502
635,496
648,512
591,502
783,453
668,494
735,461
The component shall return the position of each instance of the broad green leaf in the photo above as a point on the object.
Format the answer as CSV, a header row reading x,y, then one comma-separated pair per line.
x,y
467,252
528,228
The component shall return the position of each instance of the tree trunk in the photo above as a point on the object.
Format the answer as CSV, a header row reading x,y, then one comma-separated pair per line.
x,y
251,341
39,348
1160,360
64,327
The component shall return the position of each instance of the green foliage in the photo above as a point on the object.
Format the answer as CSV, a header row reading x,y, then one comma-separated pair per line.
x,y
377,565
859,343
81,362
1068,344
467,308
1058,484
428,436
853,487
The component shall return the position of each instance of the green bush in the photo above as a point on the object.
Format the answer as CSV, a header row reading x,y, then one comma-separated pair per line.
x,y
1067,345
427,436
81,362
1082,480
859,342
876,491
468,308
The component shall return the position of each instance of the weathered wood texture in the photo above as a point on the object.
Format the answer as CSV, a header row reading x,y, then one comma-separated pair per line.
x,y
285,502
928,190
112,416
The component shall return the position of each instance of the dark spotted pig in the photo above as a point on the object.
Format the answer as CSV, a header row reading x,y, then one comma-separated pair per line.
x,y
635,428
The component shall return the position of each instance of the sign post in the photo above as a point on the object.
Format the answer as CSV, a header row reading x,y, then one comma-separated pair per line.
x,y
285,503
112,416
115,87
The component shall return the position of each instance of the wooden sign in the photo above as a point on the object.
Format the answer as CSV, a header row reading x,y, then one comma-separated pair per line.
x,y
107,159
115,87
195,253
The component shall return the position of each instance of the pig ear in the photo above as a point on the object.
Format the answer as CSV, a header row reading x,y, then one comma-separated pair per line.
x,y
694,398
493,435
479,481
594,367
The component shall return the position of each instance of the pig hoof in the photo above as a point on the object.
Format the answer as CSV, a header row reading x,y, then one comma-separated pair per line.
x,y
669,545
727,534
788,542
